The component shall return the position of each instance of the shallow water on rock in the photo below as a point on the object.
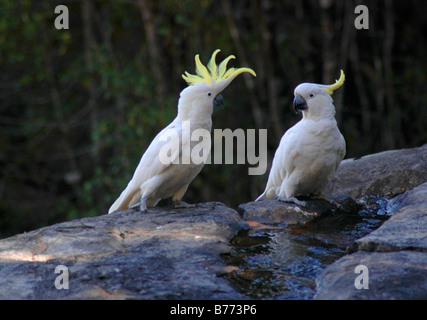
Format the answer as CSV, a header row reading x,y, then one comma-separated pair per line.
x,y
283,263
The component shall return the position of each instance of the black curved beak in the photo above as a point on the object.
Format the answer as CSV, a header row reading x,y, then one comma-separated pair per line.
x,y
299,104
218,101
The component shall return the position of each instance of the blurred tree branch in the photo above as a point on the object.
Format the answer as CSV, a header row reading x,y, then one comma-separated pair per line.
x,y
154,50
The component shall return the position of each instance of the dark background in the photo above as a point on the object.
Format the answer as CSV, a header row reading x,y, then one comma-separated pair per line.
x,y
78,107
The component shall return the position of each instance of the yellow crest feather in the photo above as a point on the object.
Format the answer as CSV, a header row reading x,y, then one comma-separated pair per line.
x,y
338,83
212,71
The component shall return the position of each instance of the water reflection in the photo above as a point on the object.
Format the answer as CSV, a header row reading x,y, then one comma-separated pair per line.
x,y
283,263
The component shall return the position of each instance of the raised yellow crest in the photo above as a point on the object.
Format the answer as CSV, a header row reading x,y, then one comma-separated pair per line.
x,y
214,72
338,83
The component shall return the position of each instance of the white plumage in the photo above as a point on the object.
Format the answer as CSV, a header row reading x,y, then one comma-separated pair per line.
x,y
310,152
154,179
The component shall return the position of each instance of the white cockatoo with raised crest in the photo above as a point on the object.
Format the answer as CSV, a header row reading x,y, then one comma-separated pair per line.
x,y
166,168
310,152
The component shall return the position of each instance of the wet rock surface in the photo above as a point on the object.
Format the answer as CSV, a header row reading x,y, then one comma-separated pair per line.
x,y
275,212
407,227
395,255
399,275
164,254
386,173
265,249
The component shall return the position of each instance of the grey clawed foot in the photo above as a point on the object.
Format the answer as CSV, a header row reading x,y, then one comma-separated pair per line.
x,y
331,202
140,206
293,200
334,203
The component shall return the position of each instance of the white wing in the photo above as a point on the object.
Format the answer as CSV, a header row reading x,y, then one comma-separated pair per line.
x,y
151,165
283,162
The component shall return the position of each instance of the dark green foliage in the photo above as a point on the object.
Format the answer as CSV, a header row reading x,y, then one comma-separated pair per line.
x,y
78,107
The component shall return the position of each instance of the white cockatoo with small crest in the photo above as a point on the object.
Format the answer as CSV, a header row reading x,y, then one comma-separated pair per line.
x,y
155,179
310,152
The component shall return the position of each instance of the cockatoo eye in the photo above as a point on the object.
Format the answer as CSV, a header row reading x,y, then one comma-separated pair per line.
x,y
311,95
209,94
